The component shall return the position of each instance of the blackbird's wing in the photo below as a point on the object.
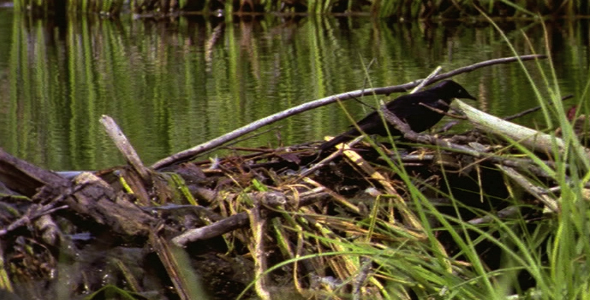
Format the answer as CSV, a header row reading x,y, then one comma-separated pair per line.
x,y
394,105
406,107
414,111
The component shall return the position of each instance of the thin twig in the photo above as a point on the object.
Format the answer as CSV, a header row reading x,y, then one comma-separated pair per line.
x,y
531,110
34,212
259,225
360,279
442,112
240,220
537,191
426,80
409,134
502,214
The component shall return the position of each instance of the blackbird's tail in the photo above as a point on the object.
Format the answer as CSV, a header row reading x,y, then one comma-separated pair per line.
x,y
345,137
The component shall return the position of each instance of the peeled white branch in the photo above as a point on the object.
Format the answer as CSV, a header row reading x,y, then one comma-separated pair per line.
x,y
529,138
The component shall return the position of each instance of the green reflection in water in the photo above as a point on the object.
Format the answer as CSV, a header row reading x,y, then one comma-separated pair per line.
x,y
172,85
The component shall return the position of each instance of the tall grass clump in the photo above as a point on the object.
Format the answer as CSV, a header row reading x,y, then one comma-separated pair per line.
x,y
544,258
459,250
541,258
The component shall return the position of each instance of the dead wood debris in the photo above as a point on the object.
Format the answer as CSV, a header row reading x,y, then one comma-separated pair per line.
x,y
256,208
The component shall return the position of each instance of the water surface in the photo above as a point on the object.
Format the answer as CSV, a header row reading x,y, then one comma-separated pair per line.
x,y
173,84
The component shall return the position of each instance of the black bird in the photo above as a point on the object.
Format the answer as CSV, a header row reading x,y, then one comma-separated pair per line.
x,y
409,108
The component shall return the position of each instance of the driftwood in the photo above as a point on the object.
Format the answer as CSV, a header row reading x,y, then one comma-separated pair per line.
x,y
530,138
87,195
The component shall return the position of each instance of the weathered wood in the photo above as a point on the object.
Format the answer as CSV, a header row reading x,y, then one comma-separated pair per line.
x,y
124,146
176,263
96,200
527,137
24,177
88,195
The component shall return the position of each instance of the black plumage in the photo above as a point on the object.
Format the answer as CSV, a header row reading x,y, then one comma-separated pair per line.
x,y
409,108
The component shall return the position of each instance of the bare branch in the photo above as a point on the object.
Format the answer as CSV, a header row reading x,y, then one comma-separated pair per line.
x,y
214,143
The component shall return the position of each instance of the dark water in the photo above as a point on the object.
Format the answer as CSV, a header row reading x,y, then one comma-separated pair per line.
x,y
174,84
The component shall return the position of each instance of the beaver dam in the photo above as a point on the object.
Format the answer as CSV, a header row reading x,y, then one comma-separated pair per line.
x,y
496,211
